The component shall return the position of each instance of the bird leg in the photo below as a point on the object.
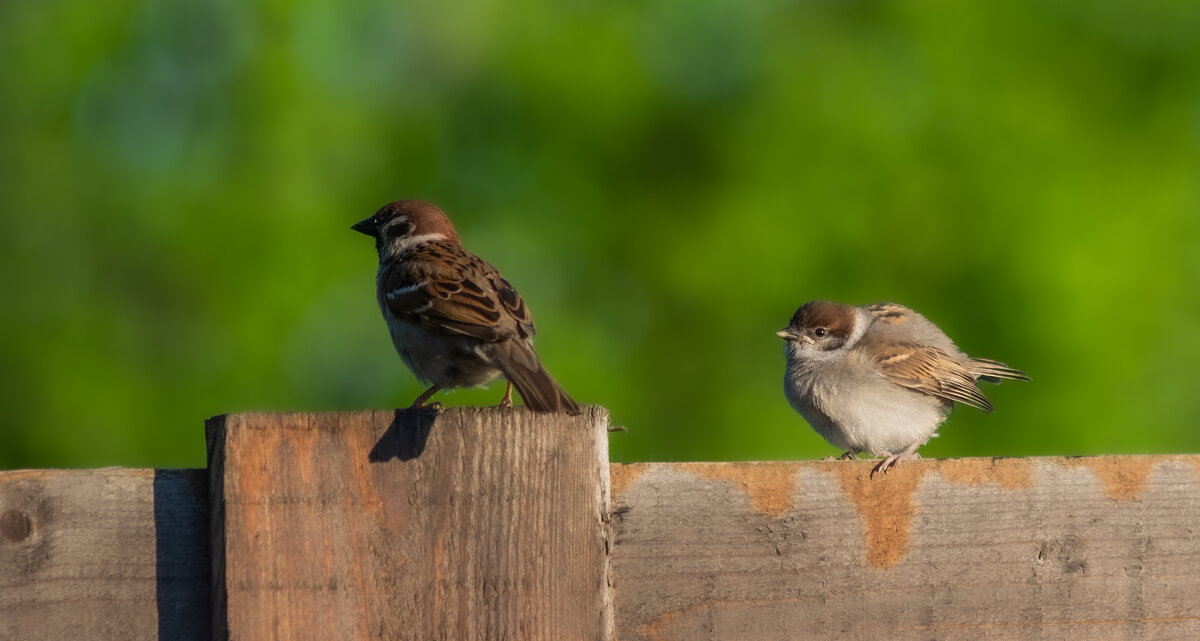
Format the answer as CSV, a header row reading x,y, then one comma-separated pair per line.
x,y
420,403
507,400
909,453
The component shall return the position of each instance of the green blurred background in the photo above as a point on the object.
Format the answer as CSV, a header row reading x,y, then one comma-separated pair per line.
x,y
664,182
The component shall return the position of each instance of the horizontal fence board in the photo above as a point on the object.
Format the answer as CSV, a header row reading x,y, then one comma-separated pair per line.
x,y
465,524
492,524
104,554
1040,548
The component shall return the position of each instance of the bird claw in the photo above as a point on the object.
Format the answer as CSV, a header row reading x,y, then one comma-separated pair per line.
x,y
420,404
884,465
846,456
891,461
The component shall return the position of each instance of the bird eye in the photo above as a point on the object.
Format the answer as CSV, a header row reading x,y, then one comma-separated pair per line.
x,y
820,332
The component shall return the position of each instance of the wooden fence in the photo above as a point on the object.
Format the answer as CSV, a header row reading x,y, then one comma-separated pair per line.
x,y
503,524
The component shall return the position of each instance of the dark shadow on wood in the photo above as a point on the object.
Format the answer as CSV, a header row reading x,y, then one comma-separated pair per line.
x,y
405,438
181,554
214,436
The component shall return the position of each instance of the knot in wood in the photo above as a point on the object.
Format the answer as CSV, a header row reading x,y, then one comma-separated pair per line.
x,y
15,526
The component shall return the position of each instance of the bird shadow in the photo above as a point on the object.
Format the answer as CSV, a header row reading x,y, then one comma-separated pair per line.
x,y
405,438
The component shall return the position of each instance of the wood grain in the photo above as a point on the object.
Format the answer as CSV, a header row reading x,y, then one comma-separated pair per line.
x,y
1044,548
469,524
486,524
103,554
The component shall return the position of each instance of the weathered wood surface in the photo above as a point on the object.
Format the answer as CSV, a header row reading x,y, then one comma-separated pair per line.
x,y
1044,548
491,524
104,554
469,524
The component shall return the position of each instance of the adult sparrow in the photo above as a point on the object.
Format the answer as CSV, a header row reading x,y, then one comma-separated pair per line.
x,y
879,378
453,319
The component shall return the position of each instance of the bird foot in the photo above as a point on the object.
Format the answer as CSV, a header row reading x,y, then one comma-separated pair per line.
x,y
846,456
891,461
420,404
507,400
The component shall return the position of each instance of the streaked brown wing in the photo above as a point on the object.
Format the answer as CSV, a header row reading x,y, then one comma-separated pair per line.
x,y
992,371
511,301
444,288
930,371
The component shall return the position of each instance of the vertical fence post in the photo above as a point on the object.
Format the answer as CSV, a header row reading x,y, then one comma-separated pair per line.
x,y
466,524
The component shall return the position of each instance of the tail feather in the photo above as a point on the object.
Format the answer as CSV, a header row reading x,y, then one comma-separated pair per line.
x,y
539,392
993,371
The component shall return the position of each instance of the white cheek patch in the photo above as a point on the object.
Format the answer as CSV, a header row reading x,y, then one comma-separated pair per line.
x,y
404,243
400,291
861,321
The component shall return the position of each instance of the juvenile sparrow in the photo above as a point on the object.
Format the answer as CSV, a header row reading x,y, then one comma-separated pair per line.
x,y
453,319
879,378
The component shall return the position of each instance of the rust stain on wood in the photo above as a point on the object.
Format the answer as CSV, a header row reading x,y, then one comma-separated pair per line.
x,y
1008,473
622,475
1123,477
771,487
657,629
885,505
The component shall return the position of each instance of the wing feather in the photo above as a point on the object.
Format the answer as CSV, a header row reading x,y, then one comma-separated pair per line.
x,y
992,371
447,289
930,371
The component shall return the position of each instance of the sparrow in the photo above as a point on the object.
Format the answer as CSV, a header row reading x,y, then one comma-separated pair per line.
x,y
453,319
879,378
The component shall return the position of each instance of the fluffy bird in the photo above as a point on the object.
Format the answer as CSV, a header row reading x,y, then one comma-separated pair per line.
x,y
879,378
453,319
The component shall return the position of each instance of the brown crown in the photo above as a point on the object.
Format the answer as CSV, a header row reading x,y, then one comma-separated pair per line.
x,y
836,318
426,217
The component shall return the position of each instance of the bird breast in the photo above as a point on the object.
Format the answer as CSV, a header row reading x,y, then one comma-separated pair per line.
x,y
853,407
445,360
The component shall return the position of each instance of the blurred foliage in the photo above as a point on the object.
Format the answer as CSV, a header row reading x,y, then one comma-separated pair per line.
x,y
664,182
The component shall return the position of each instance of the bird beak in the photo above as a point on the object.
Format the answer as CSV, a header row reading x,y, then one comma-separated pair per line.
x,y
365,226
787,334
